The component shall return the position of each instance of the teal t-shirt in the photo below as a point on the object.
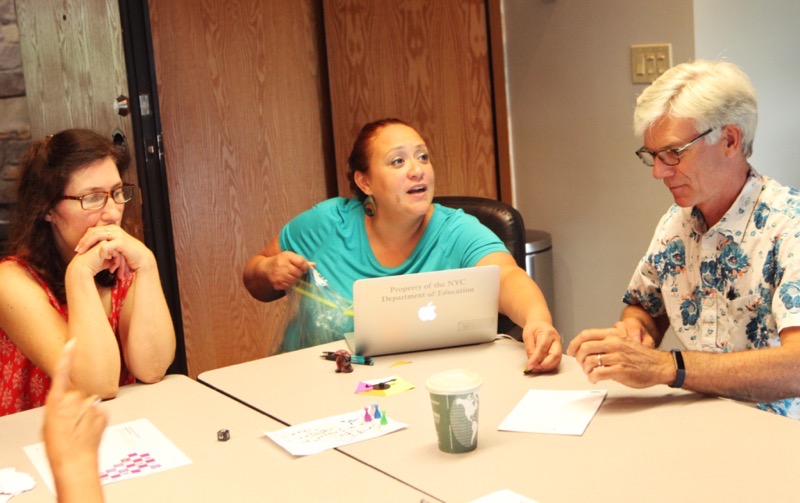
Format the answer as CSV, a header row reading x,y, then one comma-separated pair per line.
x,y
332,234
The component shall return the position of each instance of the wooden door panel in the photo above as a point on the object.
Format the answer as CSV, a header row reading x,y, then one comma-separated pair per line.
x,y
74,67
424,61
247,145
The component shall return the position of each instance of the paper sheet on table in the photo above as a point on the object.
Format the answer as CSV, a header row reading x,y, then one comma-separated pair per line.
x,y
553,411
127,450
13,483
331,432
503,496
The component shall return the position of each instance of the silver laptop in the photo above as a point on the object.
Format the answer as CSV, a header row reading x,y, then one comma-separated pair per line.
x,y
414,312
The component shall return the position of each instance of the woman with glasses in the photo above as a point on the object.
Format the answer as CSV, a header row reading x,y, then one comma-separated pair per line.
x,y
72,273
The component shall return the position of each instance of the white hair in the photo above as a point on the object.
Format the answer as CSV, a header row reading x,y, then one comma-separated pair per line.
x,y
712,94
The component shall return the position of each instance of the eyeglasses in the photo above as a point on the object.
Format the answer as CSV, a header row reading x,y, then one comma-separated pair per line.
x,y
669,156
97,200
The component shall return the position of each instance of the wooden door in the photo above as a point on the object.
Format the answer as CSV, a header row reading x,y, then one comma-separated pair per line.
x,y
426,62
247,143
74,67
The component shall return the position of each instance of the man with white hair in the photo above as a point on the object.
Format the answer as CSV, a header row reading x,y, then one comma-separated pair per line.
x,y
723,268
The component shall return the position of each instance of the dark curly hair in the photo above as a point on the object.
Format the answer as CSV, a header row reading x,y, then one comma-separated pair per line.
x,y
45,170
362,149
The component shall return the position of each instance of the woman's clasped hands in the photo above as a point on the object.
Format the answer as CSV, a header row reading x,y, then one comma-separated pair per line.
x,y
110,247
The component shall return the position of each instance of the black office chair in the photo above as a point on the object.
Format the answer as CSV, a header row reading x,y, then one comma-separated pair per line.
x,y
503,220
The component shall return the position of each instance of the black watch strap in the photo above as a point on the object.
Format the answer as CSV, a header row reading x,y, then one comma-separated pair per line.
x,y
680,369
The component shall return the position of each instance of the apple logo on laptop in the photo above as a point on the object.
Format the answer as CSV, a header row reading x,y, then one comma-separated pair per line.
x,y
427,312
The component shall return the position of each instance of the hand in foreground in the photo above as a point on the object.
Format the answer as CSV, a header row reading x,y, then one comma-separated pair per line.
x,y
543,346
73,428
287,268
610,353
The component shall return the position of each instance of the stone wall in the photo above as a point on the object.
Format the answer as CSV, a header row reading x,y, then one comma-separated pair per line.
x,y
15,126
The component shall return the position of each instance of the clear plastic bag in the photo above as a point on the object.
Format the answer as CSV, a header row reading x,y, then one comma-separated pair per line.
x,y
320,314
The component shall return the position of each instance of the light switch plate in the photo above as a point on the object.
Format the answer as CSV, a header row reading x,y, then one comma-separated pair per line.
x,y
648,62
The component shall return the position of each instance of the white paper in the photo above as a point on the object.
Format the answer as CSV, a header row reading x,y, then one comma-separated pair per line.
x,y
553,411
127,450
13,482
503,496
331,432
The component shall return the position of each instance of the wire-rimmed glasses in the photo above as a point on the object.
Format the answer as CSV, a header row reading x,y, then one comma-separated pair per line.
x,y
669,156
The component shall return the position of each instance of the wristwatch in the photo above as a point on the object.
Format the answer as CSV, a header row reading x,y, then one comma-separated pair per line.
x,y
680,369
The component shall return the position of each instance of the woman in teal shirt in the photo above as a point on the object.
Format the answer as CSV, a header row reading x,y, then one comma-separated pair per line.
x,y
393,227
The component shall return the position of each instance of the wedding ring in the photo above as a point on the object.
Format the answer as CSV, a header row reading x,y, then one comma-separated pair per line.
x,y
599,360
108,235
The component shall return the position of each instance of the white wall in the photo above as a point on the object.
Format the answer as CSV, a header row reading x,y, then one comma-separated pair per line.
x,y
571,105
762,38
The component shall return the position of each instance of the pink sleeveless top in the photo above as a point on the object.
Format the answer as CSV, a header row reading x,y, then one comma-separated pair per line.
x,y
23,385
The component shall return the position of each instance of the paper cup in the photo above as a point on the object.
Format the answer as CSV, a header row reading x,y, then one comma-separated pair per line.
x,y
454,399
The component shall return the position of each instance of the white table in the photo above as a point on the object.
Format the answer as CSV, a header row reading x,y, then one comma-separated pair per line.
x,y
248,467
658,444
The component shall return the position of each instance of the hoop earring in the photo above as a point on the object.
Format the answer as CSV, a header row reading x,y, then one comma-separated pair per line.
x,y
369,206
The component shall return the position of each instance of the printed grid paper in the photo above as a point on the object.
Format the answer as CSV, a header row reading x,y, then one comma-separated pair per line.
x,y
127,450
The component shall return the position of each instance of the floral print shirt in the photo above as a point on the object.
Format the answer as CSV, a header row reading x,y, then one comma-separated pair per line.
x,y
734,286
